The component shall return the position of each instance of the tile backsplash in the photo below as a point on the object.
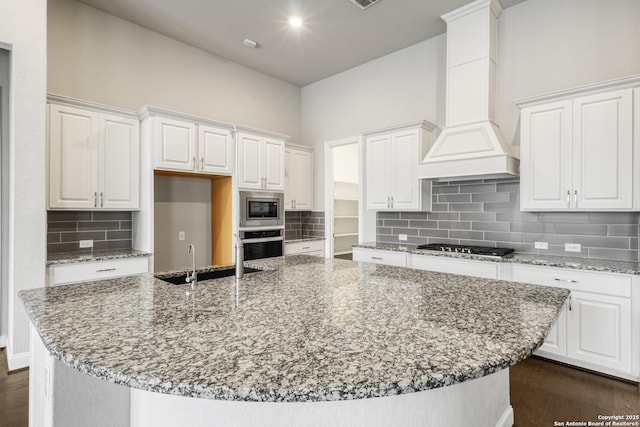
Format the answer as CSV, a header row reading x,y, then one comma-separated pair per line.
x,y
108,230
303,224
487,212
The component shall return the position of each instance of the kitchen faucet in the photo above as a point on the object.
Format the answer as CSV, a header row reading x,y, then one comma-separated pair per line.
x,y
193,278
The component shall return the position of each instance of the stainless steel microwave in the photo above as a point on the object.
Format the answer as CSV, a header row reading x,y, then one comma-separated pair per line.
x,y
261,209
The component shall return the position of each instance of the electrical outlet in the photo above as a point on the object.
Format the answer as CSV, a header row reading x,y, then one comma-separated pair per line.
x,y
86,243
402,237
541,245
572,247
181,235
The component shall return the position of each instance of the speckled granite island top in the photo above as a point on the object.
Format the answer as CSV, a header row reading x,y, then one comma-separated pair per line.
x,y
603,265
309,329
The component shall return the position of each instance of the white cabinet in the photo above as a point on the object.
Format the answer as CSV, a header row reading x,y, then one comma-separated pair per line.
x,y
465,267
578,148
260,162
378,256
191,145
298,178
594,330
308,247
94,157
59,274
391,160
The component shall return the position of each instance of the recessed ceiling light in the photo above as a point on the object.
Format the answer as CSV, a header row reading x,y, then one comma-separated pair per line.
x,y
250,43
295,21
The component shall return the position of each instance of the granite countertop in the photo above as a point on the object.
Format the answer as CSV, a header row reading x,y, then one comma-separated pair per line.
x,y
304,239
74,257
308,329
622,267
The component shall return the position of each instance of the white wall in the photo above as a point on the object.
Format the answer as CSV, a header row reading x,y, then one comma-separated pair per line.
x,y
345,163
181,204
4,179
98,57
544,45
23,31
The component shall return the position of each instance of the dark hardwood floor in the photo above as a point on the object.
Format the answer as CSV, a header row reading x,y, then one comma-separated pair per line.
x,y
14,395
541,393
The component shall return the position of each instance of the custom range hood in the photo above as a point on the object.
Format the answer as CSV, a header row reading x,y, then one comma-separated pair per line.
x,y
471,145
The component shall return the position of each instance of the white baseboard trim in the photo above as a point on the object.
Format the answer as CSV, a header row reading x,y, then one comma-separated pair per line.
x,y
3,341
17,361
506,420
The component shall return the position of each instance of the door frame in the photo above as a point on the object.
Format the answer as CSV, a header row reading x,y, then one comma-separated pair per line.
x,y
328,190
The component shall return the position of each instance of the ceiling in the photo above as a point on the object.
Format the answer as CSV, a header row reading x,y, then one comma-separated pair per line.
x,y
336,34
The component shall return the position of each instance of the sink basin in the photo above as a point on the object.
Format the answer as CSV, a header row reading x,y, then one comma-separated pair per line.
x,y
207,275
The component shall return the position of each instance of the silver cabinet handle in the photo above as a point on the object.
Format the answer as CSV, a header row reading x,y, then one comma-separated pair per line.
x,y
565,280
376,257
568,198
388,202
570,302
392,201
201,163
575,198
306,247
101,199
95,199
104,270
193,163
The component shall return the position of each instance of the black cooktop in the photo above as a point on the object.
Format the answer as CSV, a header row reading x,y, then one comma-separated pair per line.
x,y
462,249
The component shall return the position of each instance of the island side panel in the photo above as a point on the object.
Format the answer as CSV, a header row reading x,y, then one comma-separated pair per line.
x,y
65,397
484,401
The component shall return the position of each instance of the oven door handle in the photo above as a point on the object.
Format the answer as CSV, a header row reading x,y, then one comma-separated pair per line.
x,y
262,240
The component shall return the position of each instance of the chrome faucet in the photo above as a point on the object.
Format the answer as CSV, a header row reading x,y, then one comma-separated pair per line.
x,y
194,277
239,257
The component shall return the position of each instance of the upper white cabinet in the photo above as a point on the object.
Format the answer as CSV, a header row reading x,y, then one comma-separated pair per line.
x,y
298,178
260,161
391,160
190,144
578,149
93,155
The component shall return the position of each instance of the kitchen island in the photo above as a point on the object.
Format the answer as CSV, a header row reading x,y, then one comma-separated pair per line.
x,y
311,341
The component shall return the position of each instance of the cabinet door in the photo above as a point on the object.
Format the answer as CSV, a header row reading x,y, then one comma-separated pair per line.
x,y
603,151
249,174
73,154
377,172
546,157
302,179
215,150
175,145
556,340
599,330
119,163
404,185
272,164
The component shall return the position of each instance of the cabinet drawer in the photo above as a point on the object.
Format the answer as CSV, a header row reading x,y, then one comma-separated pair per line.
x,y
87,271
316,246
596,282
465,267
377,256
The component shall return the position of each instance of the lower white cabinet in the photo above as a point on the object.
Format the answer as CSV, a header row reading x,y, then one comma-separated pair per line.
x,y
308,247
465,267
377,256
594,330
59,274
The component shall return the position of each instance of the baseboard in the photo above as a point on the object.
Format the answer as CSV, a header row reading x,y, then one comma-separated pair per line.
x,y
506,420
3,341
17,361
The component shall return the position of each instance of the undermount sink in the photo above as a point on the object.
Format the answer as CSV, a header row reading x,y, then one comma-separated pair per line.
x,y
207,275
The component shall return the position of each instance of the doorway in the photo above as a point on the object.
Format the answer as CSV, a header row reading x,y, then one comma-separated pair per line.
x,y
342,197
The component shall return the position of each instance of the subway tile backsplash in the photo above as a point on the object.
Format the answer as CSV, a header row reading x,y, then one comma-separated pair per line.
x,y
487,212
303,224
108,230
